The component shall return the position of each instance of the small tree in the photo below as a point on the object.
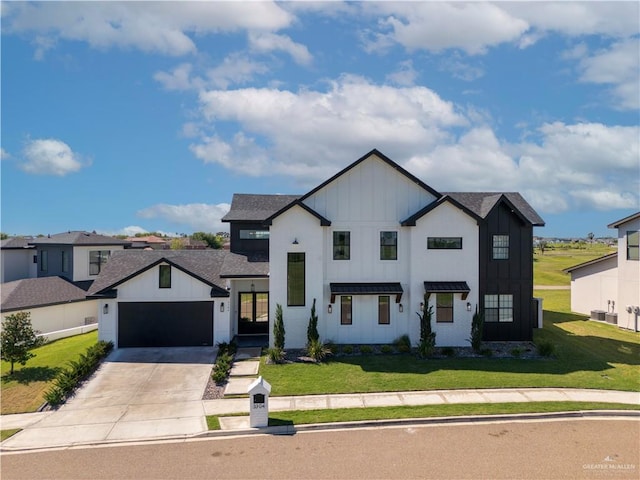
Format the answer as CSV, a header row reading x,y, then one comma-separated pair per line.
x,y
477,325
312,329
427,343
17,339
278,329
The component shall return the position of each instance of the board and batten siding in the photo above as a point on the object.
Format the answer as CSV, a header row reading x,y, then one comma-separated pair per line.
x,y
628,279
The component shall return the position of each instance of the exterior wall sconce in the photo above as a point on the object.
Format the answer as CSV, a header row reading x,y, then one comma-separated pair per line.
x,y
295,241
400,308
253,287
422,306
329,308
222,306
468,306
105,309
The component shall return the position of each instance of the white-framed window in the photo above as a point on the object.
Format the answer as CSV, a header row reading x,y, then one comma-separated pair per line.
x,y
498,308
389,245
444,308
500,247
97,258
633,245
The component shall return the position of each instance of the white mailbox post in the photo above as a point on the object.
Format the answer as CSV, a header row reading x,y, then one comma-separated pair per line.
x,y
259,392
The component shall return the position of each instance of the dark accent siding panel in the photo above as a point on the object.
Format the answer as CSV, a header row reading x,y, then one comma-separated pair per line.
x,y
54,269
239,245
510,276
165,324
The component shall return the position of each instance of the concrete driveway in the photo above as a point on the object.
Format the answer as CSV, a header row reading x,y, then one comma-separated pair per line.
x,y
136,394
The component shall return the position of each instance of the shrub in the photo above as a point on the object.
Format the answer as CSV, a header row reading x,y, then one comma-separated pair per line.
x,y
278,329
427,344
347,349
516,352
222,367
477,326
275,355
366,349
448,351
386,349
318,350
312,328
487,352
546,348
331,345
403,343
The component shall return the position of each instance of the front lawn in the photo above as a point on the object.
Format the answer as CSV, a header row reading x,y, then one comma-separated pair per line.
x,y
588,355
23,391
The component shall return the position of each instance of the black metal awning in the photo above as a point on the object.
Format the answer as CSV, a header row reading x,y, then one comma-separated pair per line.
x,y
366,289
447,287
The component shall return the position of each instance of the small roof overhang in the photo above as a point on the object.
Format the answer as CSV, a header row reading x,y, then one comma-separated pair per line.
x,y
358,288
447,287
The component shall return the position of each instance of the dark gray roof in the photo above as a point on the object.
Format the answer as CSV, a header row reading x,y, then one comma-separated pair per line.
x,y
365,288
624,220
481,204
78,238
123,265
446,287
39,292
256,208
16,243
250,265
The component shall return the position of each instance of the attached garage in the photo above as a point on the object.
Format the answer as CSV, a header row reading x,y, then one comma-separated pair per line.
x,y
165,324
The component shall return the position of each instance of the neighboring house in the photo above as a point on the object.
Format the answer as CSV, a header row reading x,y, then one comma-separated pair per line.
x,y
611,284
17,259
366,245
150,241
55,305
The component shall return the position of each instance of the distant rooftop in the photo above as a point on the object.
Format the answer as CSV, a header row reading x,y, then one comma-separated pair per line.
x,y
78,238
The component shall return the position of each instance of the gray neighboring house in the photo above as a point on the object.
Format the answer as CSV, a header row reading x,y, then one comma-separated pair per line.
x,y
17,259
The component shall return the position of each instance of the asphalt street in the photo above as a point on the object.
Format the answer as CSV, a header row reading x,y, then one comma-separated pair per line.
x,y
548,449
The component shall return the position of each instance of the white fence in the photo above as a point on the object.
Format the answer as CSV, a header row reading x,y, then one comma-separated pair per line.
x,y
69,332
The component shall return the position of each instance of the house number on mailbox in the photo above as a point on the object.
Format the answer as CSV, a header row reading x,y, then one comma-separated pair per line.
x,y
258,400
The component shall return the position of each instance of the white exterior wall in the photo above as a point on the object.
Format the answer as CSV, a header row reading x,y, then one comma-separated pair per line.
x,y
17,264
144,288
592,286
61,317
445,265
628,280
298,224
81,260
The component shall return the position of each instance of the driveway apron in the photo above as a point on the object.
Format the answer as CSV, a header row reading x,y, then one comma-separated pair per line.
x,y
136,394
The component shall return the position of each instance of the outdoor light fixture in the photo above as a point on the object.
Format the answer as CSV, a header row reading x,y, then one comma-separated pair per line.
x,y
400,308
253,287
105,309
468,306
329,308
222,306
421,306
295,241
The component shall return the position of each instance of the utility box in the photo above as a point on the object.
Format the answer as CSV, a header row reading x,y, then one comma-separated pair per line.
x,y
611,318
259,392
598,315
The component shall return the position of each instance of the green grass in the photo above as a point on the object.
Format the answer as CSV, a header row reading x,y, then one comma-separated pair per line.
x,y
588,355
4,434
23,391
304,417
547,267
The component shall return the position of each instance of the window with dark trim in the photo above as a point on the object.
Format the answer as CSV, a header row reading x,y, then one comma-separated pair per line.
x,y
341,245
633,245
65,261
498,308
444,308
500,247
97,258
254,234
388,245
295,279
44,260
444,243
346,310
384,310
164,276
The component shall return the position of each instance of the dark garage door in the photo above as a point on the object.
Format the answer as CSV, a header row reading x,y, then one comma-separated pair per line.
x,y
165,324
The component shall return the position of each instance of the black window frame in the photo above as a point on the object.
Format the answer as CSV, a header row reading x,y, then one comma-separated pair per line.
x,y
382,312
44,260
295,282
633,249
65,261
494,309
389,245
346,301
500,246
342,246
444,307
102,259
444,243
164,276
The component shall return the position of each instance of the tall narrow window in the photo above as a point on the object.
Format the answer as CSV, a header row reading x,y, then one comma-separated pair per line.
x,y
444,307
65,261
345,310
500,247
388,245
97,258
498,308
295,280
44,260
633,245
164,280
341,245
384,310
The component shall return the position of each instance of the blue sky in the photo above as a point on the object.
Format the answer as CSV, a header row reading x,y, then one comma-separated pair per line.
x,y
130,117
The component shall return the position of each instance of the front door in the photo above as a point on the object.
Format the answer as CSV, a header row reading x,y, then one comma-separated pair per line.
x,y
253,313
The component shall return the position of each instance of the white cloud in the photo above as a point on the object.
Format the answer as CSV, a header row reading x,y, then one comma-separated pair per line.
x,y
199,216
236,69
179,78
405,75
160,27
269,42
50,157
4,155
460,69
